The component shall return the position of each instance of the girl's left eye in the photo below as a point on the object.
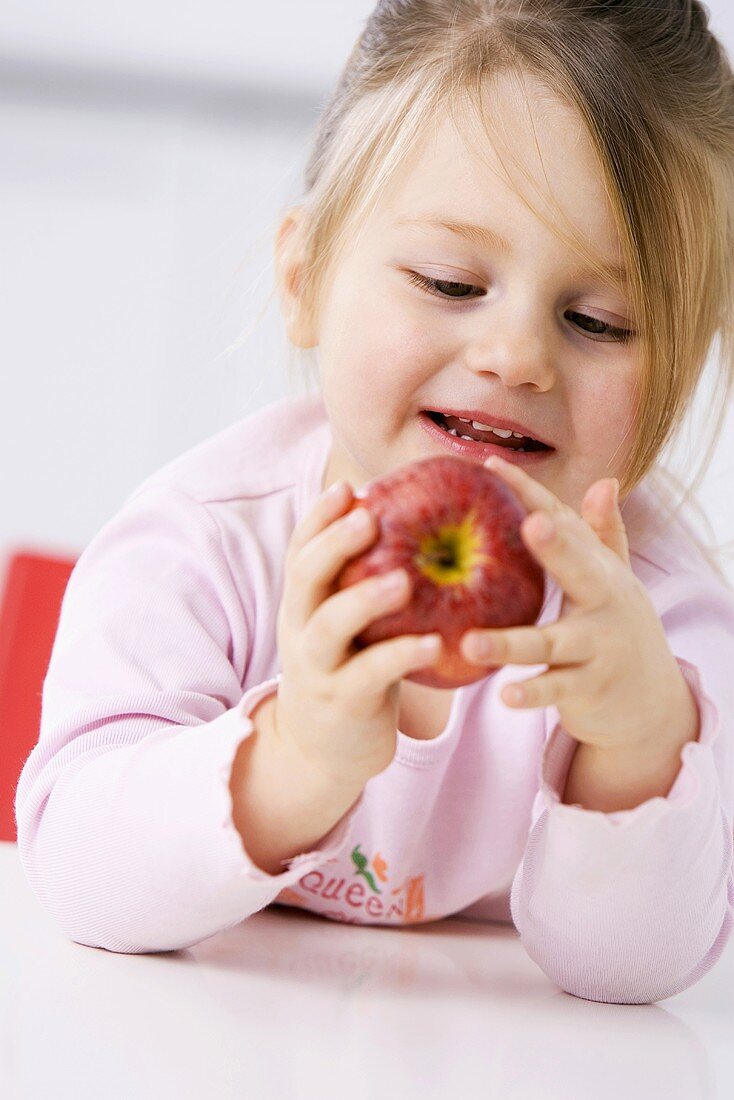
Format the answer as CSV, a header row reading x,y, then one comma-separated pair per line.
x,y
601,328
441,288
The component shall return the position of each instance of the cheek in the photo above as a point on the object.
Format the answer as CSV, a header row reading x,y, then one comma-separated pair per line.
x,y
603,416
408,351
381,339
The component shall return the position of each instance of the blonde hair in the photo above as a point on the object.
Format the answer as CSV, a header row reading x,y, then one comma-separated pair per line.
x,y
654,90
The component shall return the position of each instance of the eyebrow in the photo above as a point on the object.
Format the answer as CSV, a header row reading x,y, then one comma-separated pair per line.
x,y
488,238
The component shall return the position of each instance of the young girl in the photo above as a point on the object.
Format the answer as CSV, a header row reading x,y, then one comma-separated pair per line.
x,y
518,216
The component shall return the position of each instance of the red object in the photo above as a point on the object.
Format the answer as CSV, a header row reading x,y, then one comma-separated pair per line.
x,y
33,589
454,527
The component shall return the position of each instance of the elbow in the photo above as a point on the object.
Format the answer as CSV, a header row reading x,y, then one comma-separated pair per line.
x,y
642,978
85,912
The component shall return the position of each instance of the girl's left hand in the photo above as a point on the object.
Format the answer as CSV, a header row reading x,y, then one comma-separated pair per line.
x,y
612,674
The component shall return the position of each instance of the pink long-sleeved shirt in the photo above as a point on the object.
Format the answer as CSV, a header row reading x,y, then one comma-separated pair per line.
x,y
166,642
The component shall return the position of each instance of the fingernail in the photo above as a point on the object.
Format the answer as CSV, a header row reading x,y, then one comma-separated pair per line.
x,y
544,529
615,485
335,489
358,519
479,647
392,582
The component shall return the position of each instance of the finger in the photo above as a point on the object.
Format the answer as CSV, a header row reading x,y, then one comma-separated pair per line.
x,y
562,643
332,503
564,550
331,630
381,664
312,573
600,509
547,690
532,494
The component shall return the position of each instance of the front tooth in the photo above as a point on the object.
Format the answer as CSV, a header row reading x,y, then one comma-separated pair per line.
x,y
501,432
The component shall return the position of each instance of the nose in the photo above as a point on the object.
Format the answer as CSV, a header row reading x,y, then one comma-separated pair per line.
x,y
510,342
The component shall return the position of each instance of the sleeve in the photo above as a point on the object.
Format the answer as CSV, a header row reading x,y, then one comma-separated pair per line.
x,y
123,808
635,906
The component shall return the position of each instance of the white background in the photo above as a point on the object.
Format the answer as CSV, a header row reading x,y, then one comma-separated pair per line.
x,y
148,150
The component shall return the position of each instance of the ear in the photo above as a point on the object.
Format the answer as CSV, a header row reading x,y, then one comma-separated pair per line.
x,y
289,263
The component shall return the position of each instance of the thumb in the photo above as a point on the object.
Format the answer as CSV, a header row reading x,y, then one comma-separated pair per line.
x,y
600,509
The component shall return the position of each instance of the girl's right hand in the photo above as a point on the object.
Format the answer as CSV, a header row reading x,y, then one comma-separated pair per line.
x,y
336,706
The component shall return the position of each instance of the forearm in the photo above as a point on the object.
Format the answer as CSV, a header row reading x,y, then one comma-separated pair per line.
x,y
280,809
609,780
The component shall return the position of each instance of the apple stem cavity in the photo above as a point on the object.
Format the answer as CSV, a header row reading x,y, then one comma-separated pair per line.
x,y
452,554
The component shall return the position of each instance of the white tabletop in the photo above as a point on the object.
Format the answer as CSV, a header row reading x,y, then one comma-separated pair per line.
x,y
291,1006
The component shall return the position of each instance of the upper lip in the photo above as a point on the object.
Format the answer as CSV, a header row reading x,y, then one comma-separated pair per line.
x,y
484,417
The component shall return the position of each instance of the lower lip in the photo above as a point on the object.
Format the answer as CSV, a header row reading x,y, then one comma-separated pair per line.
x,y
480,452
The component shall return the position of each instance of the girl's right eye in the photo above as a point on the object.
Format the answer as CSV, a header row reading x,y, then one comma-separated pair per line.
x,y
441,288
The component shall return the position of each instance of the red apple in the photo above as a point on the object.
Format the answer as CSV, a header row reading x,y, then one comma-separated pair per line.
x,y
454,526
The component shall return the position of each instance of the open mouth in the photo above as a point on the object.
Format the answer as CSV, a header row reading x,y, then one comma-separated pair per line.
x,y
464,429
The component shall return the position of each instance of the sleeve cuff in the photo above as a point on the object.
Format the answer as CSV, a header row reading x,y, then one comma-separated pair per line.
x,y
560,748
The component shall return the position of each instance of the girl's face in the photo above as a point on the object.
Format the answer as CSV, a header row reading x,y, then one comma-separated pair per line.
x,y
533,337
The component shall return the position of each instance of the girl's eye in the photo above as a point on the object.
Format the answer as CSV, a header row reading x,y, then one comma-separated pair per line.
x,y
443,289
601,328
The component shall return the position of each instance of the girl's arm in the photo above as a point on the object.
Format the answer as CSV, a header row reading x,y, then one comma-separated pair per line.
x,y
124,807
281,806
636,905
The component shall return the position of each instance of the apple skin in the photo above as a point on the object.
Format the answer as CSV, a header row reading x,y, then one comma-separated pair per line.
x,y
454,526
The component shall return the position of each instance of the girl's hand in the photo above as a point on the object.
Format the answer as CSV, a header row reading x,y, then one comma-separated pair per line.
x,y
337,707
612,674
